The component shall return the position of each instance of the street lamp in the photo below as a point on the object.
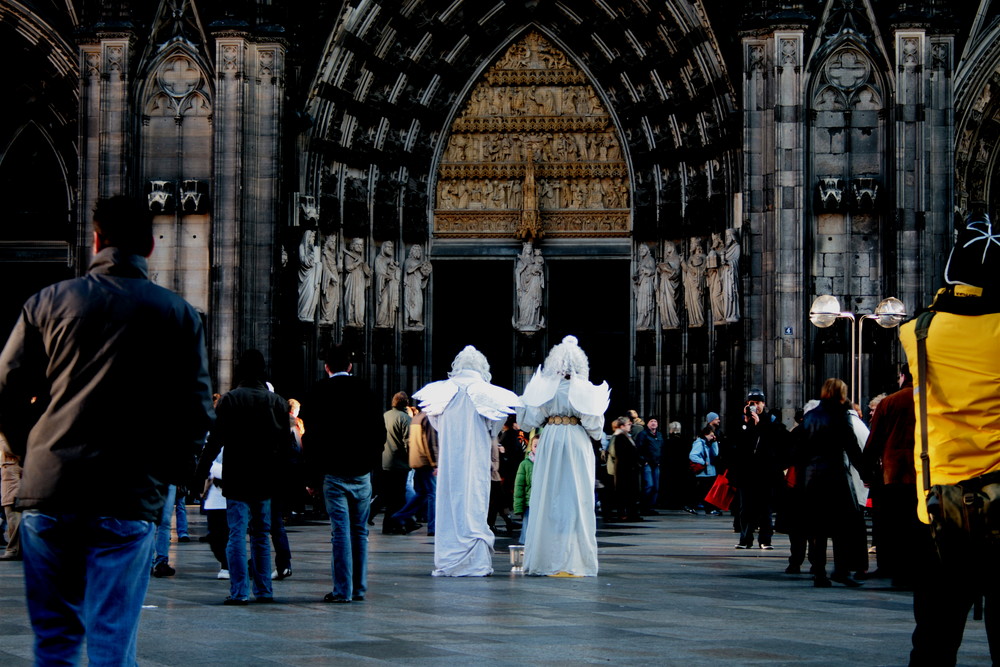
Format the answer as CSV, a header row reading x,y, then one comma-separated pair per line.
x,y
825,311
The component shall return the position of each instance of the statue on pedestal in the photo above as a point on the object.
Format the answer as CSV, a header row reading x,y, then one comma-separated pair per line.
x,y
359,277
387,277
670,286
416,274
309,276
693,270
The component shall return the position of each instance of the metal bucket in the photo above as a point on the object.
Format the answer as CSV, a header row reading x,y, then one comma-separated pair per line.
x,y
517,558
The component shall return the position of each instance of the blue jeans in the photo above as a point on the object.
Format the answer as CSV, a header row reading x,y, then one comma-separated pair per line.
x,y
650,486
181,514
347,503
279,538
253,516
524,524
162,552
424,491
85,576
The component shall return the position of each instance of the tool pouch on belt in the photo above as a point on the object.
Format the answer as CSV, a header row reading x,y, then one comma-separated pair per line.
x,y
965,520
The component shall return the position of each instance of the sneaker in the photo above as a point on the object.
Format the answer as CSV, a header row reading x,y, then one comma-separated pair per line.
x,y
223,574
336,599
766,547
357,598
742,546
715,513
284,574
690,510
235,602
845,579
162,569
183,538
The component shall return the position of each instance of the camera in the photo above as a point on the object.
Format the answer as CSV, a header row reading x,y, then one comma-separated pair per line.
x,y
750,409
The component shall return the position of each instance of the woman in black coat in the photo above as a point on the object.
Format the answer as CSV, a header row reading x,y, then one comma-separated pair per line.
x,y
828,448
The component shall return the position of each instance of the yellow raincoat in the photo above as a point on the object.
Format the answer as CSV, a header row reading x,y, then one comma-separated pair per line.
x,y
963,397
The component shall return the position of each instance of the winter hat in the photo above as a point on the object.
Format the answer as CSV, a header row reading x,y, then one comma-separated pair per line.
x,y
711,417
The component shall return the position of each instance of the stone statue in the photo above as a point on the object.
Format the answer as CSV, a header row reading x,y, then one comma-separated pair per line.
x,y
387,277
310,271
693,271
416,274
715,267
359,277
529,278
644,286
730,277
332,265
669,287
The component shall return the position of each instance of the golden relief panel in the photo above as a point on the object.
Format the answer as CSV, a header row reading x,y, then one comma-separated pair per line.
x,y
533,152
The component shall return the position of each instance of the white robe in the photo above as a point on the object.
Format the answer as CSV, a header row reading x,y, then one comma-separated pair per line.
x,y
466,411
562,533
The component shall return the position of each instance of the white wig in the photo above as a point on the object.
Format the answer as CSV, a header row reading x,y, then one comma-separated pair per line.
x,y
567,358
471,359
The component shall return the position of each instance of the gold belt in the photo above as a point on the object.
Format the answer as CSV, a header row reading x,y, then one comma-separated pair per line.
x,y
564,420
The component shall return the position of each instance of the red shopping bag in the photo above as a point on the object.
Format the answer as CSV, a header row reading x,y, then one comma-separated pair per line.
x,y
721,494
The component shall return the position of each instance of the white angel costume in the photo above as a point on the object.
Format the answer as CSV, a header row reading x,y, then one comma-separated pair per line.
x,y
562,533
467,411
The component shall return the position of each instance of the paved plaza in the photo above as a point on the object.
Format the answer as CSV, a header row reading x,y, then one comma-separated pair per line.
x,y
672,591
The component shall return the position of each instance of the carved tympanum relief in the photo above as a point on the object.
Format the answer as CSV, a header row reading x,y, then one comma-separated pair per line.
x,y
533,152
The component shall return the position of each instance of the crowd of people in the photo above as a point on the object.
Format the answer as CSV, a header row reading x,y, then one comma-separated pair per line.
x,y
458,456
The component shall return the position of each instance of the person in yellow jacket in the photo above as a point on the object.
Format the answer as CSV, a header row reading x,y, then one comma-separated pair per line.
x,y
963,428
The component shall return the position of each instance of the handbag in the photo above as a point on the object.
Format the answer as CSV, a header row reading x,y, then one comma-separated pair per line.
x,y
696,467
721,494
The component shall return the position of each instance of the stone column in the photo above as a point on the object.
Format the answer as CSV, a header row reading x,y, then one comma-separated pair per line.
x,y
247,122
774,167
924,127
104,118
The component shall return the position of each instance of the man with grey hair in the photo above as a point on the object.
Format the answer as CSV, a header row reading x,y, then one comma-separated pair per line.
x,y
467,412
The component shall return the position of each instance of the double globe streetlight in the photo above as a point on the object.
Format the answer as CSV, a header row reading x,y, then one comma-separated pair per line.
x,y
825,310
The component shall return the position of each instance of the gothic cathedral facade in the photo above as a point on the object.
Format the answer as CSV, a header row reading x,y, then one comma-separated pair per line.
x,y
674,182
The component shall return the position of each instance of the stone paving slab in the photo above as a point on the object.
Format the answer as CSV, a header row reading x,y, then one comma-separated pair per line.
x,y
671,591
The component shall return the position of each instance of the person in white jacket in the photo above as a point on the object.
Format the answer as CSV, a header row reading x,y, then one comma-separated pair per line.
x,y
562,536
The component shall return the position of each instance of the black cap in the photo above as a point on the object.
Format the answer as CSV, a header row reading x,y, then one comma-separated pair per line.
x,y
756,395
974,258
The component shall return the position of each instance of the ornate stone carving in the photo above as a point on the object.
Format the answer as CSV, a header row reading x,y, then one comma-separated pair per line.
x,y
332,265
910,51
714,279
669,286
179,89
359,278
865,193
230,58
831,193
416,274
730,273
192,194
693,270
310,274
387,282
788,52
529,281
265,63
532,152
160,196
755,58
308,212
644,286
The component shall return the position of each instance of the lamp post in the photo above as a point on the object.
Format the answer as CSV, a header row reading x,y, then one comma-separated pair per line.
x,y
825,311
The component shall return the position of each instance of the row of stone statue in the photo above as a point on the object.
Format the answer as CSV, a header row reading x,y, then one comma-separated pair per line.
x,y
509,101
658,285
567,194
543,146
329,279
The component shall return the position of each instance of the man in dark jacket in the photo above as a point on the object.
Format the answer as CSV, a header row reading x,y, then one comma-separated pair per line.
x,y
345,455
649,442
101,433
756,469
252,424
